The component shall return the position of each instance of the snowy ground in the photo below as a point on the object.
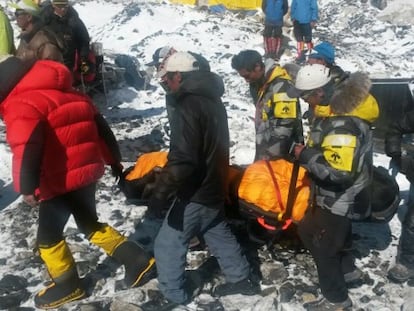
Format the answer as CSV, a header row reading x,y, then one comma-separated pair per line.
x,y
379,42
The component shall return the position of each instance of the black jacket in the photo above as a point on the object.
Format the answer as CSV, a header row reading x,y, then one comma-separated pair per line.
x,y
71,30
199,148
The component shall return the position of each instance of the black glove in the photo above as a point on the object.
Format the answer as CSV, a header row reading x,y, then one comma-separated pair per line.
x,y
158,208
407,168
117,171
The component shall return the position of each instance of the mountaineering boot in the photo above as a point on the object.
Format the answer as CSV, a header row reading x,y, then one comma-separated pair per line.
x,y
266,46
400,273
139,265
66,285
244,287
325,305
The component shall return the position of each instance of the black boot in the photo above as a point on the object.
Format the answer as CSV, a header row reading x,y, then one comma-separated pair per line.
x,y
139,265
62,290
244,287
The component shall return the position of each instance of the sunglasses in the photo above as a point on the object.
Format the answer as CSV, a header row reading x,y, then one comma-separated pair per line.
x,y
305,95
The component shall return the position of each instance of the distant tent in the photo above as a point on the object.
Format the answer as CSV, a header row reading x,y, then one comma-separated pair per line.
x,y
229,4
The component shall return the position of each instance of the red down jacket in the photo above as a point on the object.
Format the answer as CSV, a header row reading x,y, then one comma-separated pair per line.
x,y
54,133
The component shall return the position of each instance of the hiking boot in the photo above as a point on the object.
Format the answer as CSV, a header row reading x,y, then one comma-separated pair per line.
x,y
55,295
244,287
400,273
139,265
325,305
353,276
161,304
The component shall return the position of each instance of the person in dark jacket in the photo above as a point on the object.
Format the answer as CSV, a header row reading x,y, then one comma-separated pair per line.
x,y
63,19
338,157
404,267
195,175
36,41
60,144
274,10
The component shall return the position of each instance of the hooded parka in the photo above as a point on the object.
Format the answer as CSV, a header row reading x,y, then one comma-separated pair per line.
x,y
59,140
339,153
278,117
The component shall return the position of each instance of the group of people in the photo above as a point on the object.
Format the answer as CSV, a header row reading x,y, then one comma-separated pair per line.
x,y
303,14
60,144
50,30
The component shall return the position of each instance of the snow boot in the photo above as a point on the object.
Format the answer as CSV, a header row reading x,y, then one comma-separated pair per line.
x,y
139,265
325,305
66,285
244,287
299,46
400,273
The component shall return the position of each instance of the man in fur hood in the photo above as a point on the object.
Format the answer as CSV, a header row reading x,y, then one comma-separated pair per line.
x,y
338,156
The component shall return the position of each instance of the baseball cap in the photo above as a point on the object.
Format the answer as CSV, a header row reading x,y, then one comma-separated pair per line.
x,y
26,5
309,77
181,62
159,55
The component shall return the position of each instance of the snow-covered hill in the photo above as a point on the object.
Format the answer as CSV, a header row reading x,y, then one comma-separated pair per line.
x,y
366,38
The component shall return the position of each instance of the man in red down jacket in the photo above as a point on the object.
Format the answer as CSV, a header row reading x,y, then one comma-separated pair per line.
x,y
60,144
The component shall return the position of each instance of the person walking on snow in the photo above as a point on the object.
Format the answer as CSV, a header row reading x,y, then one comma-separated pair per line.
x,y
274,10
304,15
60,144
195,174
404,267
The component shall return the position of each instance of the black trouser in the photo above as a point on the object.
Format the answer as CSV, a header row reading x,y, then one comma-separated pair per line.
x,y
54,214
272,31
302,32
327,236
406,246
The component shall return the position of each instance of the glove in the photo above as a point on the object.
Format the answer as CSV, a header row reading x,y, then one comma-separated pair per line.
x,y
85,67
158,208
116,171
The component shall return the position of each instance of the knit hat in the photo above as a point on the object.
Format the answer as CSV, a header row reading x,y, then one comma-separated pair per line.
x,y
160,54
181,62
325,51
28,6
60,2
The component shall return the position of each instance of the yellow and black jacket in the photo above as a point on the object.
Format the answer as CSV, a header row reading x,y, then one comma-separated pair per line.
x,y
338,154
278,116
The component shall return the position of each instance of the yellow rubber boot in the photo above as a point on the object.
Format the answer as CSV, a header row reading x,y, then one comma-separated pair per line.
x,y
66,285
139,265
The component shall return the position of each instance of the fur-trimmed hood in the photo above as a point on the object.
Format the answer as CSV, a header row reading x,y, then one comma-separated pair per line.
x,y
350,93
351,97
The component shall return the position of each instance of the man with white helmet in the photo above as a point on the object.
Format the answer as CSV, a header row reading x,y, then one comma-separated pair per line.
x,y
338,156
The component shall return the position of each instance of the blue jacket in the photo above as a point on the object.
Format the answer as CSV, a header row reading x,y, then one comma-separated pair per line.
x,y
304,11
274,11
